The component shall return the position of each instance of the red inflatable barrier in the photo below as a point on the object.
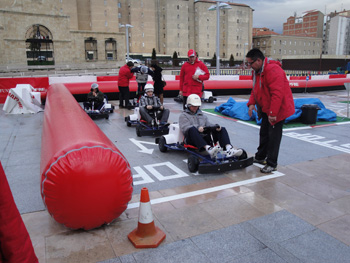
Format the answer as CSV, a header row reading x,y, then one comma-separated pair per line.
x,y
107,78
85,180
15,243
40,84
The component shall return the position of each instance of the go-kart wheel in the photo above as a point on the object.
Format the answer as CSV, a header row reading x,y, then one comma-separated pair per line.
x,y
243,156
211,100
127,119
107,117
193,163
138,130
161,144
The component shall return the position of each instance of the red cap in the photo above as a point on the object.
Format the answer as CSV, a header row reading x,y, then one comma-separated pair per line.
x,y
191,53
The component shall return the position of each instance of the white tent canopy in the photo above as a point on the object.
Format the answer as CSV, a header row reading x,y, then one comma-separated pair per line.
x,y
23,99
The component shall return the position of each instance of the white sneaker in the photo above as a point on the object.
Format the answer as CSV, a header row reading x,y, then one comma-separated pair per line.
x,y
233,152
213,151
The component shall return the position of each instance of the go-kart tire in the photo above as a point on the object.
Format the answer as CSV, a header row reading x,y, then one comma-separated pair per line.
x,y
161,144
127,119
211,100
193,163
243,156
107,117
138,130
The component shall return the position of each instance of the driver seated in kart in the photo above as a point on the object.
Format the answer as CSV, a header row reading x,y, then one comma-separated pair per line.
x,y
95,98
192,122
149,103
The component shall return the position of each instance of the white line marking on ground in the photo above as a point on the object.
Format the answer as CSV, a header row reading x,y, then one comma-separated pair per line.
x,y
209,190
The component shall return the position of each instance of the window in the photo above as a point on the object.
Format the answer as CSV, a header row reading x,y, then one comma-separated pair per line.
x,y
207,54
91,49
119,5
39,45
111,49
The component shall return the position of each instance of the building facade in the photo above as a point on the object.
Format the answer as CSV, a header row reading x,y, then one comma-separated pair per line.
x,y
337,34
38,32
310,24
279,46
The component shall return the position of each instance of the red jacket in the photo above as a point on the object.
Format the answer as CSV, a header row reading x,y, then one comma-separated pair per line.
x,y
189,86
271,91
125,75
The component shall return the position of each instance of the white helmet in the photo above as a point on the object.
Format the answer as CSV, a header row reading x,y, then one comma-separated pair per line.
x,y
94,85
143,69
194,100
149,87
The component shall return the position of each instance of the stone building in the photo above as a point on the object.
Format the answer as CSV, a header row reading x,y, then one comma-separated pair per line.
x,y
280,46
61,32
41,32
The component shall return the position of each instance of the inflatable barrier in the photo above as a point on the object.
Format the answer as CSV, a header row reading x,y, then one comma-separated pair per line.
x,y
15,243
85,180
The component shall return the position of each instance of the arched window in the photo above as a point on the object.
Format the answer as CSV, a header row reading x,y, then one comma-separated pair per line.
x,y
91,49
39,46
111,49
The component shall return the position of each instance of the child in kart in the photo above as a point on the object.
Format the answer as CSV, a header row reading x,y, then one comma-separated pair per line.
x,y
192,122
150,103
95,97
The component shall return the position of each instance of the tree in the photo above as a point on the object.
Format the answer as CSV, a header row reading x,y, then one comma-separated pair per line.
x,y
213,63
154,54
231,61
175,59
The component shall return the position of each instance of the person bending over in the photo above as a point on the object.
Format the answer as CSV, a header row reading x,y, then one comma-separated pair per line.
x,y
192,122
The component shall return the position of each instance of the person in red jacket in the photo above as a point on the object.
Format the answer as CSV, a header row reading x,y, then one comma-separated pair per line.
x,y
192,74
274,102
124,77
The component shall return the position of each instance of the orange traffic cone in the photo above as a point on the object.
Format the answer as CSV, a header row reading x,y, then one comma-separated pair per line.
x,y
146,235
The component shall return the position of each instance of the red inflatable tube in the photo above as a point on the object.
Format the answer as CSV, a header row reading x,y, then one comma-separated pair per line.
x,y
15,243
85,180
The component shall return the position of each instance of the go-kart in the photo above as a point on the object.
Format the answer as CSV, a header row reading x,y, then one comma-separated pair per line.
x,y
201,161
143,128
98,112
206,97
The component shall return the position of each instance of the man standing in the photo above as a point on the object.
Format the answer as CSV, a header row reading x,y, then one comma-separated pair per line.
x,y
192,74
274,101
124,77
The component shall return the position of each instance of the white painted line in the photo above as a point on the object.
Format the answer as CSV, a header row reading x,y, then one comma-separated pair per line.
x,y
209,190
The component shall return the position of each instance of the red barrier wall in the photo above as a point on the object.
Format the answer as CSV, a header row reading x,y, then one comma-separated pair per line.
x,y
85,180
40,84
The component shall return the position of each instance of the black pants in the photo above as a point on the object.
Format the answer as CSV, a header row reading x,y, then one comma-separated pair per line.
x,y
140,89
124,96
184,102
195,138
269,141
148,115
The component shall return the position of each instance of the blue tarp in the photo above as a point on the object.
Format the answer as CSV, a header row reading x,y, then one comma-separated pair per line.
x,y
239,110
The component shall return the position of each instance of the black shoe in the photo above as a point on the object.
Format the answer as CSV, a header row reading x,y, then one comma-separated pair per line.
x,y
268,169
263,162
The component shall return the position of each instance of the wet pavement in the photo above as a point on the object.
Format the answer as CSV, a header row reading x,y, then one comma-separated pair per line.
x,y
300,213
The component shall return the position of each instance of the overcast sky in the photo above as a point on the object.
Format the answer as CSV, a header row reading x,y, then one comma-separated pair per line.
x,y
273,13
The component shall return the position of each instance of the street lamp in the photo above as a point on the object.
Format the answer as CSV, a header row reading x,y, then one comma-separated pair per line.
x,y
217,8
127,39
245,44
